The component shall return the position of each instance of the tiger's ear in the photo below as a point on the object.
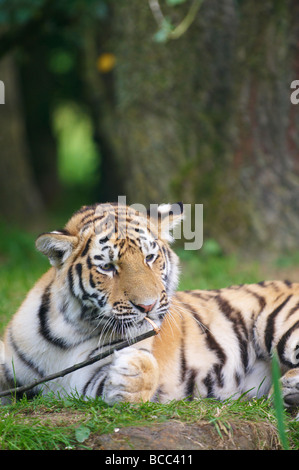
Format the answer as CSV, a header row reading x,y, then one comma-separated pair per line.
x,y
167,217
57,246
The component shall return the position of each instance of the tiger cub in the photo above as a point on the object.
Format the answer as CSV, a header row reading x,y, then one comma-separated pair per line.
x,y
111,268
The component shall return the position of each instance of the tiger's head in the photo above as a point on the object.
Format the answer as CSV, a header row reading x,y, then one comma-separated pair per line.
x,y
113,266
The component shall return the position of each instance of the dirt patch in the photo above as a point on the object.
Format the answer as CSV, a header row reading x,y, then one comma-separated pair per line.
x,y
235,434
241,435
54,418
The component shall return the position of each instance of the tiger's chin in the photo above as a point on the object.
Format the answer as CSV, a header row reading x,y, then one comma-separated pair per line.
x,y
118,327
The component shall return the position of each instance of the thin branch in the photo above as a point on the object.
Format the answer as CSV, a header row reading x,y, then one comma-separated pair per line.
x,y
184,25
157,12
80,365
187,21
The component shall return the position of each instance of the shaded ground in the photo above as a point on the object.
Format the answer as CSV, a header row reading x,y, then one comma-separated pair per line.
x,y
241,435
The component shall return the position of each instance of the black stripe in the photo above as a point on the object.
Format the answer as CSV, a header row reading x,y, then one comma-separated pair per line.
x,y
239,327
90,218
281,346
45,331
28,362
190,385
12,382
165,256
204,295
102,301
261,300
269,330
237,378
91,281
212,345
208,382
78,268
63,231
182,354
219,375
96,218
99,392
71,280
86,248
214,375
105,239
90,210
89,266
86,226
183,363
91,382
44,328
293,310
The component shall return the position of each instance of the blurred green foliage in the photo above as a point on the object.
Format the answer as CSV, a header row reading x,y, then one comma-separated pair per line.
x,y
77,154
20,266
209,268
61,61
17,12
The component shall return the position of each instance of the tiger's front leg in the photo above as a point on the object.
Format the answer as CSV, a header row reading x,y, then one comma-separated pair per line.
x,y
132,376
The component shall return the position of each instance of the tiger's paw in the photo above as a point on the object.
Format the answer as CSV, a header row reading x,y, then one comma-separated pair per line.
x,y
133,377
290,388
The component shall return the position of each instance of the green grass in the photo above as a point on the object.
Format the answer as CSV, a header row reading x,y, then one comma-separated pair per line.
x,y
278,403
20,266
48,423
70,423
203,271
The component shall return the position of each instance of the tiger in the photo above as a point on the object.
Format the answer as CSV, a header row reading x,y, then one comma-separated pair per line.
x,y
112,268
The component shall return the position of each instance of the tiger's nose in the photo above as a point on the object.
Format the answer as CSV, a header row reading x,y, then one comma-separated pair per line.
x,y
145,308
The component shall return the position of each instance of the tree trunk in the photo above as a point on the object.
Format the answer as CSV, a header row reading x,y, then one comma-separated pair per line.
x,y
19,198
136,106
38,89
266,148
207,118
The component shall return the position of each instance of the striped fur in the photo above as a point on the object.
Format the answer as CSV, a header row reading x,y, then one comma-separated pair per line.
x,y
112,267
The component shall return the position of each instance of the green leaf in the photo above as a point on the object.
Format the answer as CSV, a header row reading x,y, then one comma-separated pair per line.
x,y
278,402
82,433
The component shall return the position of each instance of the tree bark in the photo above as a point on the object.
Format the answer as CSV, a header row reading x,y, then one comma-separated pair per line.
x,y
134,106
207,118
266,148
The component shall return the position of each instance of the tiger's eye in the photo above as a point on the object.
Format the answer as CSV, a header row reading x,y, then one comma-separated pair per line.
x,y
108,267
149,258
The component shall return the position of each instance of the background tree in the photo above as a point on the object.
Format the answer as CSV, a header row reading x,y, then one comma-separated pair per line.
x,y
208,118
19,196
199,113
